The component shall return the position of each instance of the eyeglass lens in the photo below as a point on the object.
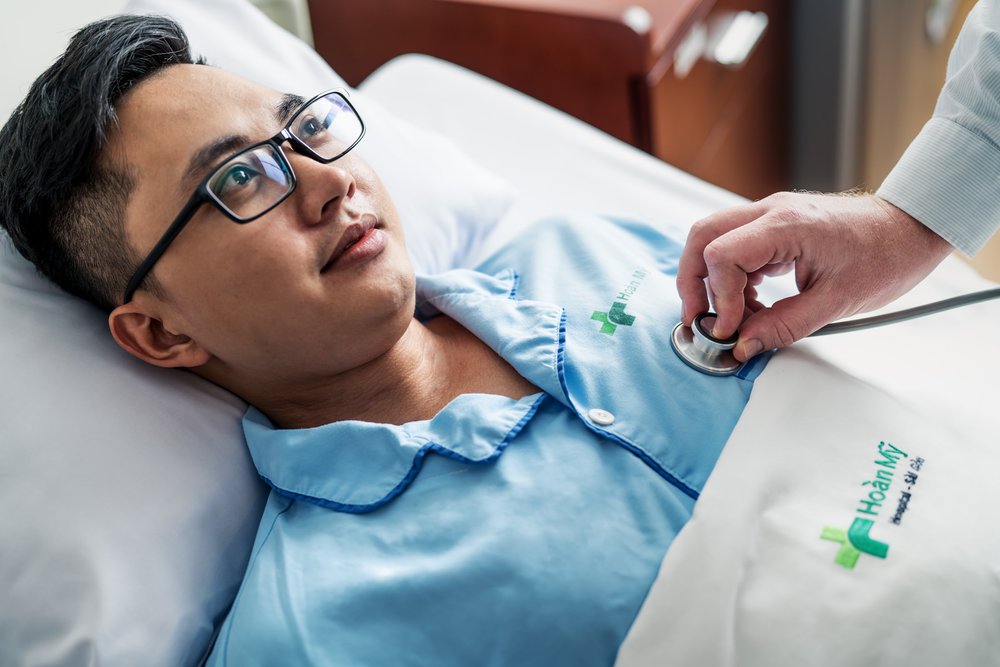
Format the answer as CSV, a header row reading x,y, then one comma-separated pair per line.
x,y
253,181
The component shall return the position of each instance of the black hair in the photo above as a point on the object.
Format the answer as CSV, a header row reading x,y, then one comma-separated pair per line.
x,y
62,205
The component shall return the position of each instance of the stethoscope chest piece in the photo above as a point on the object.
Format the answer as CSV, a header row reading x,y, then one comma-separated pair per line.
x,y
703,352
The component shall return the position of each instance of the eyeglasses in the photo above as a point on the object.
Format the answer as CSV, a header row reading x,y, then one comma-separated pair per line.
x,y
253,181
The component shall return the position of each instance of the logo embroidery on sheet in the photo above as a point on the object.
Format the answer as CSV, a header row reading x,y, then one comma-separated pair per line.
x,y
616,316
857,539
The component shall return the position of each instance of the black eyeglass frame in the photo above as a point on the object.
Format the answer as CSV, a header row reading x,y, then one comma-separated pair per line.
x,y
203,194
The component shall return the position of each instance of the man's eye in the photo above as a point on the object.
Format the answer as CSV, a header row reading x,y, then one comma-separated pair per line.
x,y
234,180
312,126
240,175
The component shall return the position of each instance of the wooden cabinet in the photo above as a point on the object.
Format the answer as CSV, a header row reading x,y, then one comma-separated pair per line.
x,y
637,70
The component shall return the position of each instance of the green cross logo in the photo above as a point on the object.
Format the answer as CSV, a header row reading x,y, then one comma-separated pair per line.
x,y
611,319
854,541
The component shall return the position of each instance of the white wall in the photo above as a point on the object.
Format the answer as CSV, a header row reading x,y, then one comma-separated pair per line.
x,y
33,33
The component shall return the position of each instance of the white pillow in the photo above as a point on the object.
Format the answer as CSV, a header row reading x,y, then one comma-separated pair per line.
x,y
128,500
128,503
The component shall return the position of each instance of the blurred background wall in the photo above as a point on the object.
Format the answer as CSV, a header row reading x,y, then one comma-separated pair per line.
x,y
866,74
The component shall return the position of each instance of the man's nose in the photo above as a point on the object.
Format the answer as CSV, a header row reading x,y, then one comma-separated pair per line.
x,y
321,186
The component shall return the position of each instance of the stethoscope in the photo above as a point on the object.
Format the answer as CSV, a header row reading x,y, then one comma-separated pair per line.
x,y
702,351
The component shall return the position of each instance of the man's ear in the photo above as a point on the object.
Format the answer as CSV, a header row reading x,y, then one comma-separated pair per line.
x,y
145,337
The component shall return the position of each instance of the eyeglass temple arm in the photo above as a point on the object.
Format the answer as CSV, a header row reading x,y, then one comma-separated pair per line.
x,y
161,246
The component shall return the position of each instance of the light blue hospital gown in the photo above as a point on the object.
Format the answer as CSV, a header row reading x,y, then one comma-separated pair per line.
x,y
500,532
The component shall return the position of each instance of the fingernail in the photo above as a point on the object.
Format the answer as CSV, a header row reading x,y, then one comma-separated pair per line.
x,y
751,348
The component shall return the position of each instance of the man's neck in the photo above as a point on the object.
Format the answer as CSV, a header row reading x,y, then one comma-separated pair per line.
x,y
429,366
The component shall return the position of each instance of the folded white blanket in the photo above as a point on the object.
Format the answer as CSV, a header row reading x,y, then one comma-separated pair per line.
x,y
853,517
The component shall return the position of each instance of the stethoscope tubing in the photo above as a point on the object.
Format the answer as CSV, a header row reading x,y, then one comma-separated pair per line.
x,y
907,313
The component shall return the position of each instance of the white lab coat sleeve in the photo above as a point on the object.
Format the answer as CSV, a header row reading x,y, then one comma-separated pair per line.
x,y
949,177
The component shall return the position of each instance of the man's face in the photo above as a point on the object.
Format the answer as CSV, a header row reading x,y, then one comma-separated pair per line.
x,y
264,297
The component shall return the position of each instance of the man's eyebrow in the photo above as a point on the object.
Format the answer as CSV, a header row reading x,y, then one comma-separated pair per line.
x,y
288,105
206,156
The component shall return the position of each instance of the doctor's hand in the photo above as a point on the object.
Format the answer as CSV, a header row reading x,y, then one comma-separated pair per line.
x,y
850,253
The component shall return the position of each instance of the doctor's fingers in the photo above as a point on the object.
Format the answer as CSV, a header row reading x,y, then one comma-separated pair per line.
x,y
692,270
741,258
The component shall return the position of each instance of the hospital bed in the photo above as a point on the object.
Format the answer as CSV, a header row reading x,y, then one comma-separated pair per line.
x,y
129,503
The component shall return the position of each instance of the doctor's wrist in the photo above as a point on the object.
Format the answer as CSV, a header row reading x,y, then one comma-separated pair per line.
x,y
917,236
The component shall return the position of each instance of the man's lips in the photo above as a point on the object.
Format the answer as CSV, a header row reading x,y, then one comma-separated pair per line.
x,y
361,232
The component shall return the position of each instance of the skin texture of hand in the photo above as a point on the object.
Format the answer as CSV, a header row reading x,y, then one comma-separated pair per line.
x,y
850,253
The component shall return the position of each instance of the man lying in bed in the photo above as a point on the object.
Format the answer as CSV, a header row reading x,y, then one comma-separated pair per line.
x,y
468,468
